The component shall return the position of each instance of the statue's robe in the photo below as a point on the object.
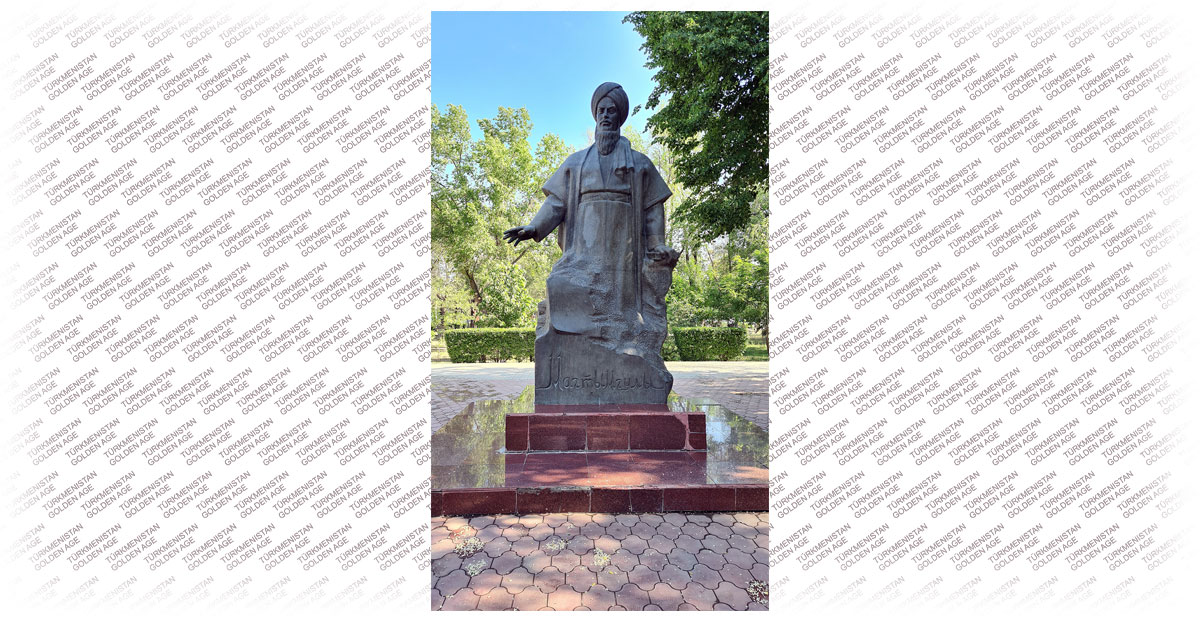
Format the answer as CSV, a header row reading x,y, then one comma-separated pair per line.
x,y
604,295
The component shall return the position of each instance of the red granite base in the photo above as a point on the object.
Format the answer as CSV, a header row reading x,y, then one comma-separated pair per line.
x,y
618,427
603,499
611,482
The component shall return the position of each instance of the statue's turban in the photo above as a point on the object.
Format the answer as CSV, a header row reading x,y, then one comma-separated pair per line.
x,y
614,91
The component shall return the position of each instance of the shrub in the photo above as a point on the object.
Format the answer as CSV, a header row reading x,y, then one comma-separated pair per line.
x,y
710,343
670,352
479,345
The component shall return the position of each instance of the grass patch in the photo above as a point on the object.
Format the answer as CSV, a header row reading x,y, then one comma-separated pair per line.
x,y
756,348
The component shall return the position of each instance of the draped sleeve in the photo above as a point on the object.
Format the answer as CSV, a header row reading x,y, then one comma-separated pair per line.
x,y
655,190
554,208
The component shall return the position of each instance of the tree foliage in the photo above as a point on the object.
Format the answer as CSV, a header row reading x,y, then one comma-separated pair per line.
x,y
711,103
480,187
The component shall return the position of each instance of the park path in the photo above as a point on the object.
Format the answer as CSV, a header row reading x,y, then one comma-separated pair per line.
x,y
585,561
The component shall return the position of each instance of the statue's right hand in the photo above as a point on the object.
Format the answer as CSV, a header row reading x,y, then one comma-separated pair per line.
x,y
516,234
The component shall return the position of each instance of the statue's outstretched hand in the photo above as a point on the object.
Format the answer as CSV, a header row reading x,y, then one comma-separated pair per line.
x,y
663,253
517,234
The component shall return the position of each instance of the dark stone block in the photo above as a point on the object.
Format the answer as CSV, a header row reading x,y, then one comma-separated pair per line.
x,y
656,432
435,504
699,441
613,500
553,500
696,422
550,432
516,432
699,498
607,432
753,498
645,500
479,502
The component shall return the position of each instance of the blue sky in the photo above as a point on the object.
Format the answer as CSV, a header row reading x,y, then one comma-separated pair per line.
x,y
547,62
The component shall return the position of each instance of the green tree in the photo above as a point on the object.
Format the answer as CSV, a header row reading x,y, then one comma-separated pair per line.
x,y
479,189
711,103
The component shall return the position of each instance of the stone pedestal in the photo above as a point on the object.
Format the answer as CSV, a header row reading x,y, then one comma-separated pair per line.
x,y
572,370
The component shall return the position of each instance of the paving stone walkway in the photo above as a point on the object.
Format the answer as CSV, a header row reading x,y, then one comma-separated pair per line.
x,y
585,561
740,386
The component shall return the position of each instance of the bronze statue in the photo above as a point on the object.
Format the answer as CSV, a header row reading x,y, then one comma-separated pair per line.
x,y
602,325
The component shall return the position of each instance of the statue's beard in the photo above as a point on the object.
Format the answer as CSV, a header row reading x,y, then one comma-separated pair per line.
x,y
606,140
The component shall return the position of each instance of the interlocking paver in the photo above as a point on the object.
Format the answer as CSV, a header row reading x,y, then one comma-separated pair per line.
x,y
549,579
445,564
732,596
566,560
524,546
668,530
580,545
696,531
581,579
517,580
481,521
611,578
496,599
736,575
599,598
665,596
714,543
541,532
705,576
702,562
496,547
643,530
564,598
624,560
632,598
464,599
644,577
536,561
654,559
690,544
618,531
741,543
608,543
592,530
485,582
661,544
697,595
711,558
682,558
720,531
676,577
506,562
529,599
740,558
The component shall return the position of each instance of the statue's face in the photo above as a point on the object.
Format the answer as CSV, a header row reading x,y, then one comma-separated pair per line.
x,y
607,114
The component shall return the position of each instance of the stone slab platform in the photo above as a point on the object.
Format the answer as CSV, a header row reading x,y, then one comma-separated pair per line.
x,y
628,428
474,473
